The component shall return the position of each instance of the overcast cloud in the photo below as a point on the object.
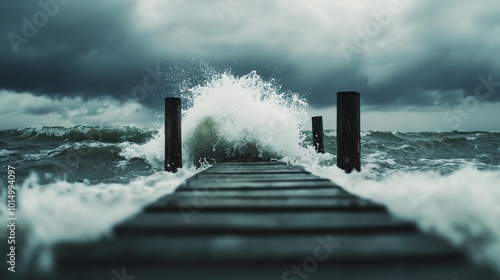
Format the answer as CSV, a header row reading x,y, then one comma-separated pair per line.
x,y
407,56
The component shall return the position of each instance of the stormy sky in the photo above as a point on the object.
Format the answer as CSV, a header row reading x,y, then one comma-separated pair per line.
x,y
419,65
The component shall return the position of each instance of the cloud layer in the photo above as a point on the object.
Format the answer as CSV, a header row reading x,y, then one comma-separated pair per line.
x,y
30,110
397,53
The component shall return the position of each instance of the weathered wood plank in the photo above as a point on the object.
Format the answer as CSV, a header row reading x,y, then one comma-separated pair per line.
x,y
263,171
236,248
261,184
397,270
263,193
252,176
195,220
175,202
255,169
250,163
208,180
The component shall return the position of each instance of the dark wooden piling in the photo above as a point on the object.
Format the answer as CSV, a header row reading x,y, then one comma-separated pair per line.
x,y
317,131
348,131
173,144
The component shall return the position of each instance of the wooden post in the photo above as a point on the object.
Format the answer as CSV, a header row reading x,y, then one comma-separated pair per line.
x,y
173,144
348,131
317,131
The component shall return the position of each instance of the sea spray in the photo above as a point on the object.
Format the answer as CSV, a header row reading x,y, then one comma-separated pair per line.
x,y
64,211
236,117
461,206
445,182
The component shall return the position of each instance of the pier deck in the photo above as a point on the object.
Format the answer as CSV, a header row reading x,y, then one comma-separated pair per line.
x,y
264,220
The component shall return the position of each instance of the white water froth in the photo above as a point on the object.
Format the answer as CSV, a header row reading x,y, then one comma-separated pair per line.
x,y
63,211
153,151
242,111
462,207
227,116
4,152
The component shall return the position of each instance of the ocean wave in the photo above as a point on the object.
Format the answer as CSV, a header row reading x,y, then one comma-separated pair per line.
x,y
81,211
4,152
233,118
461,206
425,176
79,133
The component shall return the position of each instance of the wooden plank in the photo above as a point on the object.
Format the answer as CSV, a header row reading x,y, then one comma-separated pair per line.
x,y
276,248
285,169
256,178
256,168
432,269
253,163
196,221
252,176
245,171
263,193
261,184
249,163
267,204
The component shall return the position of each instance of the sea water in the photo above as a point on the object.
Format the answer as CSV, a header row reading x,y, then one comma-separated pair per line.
x,y
76,183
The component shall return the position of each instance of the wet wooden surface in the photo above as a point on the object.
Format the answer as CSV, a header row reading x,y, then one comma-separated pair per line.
x,y
264,220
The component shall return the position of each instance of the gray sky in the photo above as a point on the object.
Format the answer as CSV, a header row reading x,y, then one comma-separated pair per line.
x,y
419,65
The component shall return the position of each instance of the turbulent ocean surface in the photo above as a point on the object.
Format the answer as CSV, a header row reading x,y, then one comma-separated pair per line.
x,y
75,183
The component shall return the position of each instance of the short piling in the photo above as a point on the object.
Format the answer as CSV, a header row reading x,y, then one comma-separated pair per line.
x,y
173,143
317,132
348,131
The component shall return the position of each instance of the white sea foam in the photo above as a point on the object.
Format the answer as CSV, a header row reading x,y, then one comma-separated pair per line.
x,y
153,151
226,115
229,113
333,133
5,152
64,211
462,206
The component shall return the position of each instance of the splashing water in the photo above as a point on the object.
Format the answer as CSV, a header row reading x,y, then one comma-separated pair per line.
x,y
235,118
447,183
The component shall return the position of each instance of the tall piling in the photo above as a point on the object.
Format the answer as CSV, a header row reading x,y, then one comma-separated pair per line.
x,y
348,131
317,133
173,143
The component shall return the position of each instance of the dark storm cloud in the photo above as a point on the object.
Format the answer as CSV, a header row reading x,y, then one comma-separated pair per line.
x,y
427,54
87,48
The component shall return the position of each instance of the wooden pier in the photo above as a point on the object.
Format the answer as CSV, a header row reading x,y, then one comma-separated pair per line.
x,y
264,220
